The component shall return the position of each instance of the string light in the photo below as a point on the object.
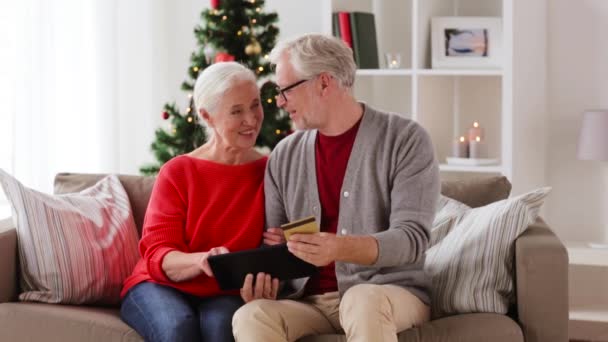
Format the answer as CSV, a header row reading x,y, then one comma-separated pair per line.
x,y
195,69
174,131
266,56
278,131
258,9
189,119
189,96
253,21
239,33
224,17
269,100
260,69
188,110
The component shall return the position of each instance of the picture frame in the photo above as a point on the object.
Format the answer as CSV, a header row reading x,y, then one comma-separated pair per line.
x,y
466,42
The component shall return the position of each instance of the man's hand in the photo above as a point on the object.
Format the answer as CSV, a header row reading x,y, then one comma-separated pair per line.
x,y
265,287
319,249
204,262
274,236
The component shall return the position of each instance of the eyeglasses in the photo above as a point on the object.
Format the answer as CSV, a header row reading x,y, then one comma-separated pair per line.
x,y
283,90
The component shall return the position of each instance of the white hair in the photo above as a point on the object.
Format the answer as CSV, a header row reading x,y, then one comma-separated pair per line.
x,y
313,54
215,80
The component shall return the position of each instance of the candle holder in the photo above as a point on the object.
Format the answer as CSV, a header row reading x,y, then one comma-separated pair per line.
x,y
393,60
460,148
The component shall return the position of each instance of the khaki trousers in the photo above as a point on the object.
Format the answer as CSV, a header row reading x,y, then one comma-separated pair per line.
x,y
366,313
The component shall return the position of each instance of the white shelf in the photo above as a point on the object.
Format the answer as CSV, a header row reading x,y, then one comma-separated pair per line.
x,y
589,313
459,72
429,72
464,168
579,253
384,72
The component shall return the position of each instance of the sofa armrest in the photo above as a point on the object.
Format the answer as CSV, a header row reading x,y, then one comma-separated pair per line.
x,y
541,263
8,261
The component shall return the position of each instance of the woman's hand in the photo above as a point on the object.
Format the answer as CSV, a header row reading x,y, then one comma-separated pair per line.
x,y
274,236
204,262
265,287
179,266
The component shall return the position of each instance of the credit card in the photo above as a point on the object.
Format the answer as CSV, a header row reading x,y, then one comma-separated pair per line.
x,y
306,225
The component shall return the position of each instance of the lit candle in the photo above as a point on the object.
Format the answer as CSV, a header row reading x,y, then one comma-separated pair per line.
x,y
460,148
475,131
477,148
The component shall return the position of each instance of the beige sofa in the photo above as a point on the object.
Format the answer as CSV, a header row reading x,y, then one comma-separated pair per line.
x,y
540,263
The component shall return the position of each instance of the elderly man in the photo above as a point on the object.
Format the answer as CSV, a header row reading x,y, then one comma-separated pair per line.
x,y
371,179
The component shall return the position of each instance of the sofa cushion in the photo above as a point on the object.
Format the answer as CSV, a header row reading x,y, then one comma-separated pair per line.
x,y
138,188
471,268
47,322
477,192
76,248
461,328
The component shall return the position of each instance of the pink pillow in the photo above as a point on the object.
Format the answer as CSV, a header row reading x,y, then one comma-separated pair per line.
x,y
73,248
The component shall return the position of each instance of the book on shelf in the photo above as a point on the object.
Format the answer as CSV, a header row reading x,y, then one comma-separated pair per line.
x,y
358,31
335,25
345,28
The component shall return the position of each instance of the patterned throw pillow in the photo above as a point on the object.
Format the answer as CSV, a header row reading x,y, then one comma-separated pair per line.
x,y
470,260
74,248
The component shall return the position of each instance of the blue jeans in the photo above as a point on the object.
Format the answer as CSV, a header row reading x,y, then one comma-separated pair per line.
x,y
162,313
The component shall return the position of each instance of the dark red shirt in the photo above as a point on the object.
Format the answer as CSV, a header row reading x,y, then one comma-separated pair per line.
x,y
332,154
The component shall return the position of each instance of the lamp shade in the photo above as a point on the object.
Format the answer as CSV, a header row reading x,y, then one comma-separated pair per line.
x,y
593,138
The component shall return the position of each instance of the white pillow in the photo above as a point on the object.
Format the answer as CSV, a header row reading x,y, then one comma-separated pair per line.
x,y
470,260
73,248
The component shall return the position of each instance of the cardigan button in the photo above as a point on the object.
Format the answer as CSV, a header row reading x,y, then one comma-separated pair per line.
x,y
344,232
346,194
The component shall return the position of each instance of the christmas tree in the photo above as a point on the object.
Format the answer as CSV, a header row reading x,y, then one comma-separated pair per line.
x,y
232,30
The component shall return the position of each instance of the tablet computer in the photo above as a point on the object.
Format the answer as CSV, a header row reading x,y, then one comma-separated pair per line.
x,y
230,269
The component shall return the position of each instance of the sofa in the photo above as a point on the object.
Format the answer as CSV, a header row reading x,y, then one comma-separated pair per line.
x,y
540,264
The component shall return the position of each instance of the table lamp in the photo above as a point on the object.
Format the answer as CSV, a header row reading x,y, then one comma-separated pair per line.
x,y
593,138
593,142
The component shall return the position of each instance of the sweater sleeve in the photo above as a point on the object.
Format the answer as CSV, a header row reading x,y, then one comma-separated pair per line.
x,y
274,204
414,193
164,224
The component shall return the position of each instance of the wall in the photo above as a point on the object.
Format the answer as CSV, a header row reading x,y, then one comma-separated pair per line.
x,y
152,57
577,58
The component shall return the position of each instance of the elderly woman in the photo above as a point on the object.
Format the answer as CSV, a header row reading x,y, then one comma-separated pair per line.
x,y
207,202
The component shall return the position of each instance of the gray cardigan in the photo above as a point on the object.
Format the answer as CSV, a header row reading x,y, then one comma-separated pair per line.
x,y
389,191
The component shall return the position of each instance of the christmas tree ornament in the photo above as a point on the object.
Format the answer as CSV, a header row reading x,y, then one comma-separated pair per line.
x,y
253,48
224,57
215,4
165,115
209,52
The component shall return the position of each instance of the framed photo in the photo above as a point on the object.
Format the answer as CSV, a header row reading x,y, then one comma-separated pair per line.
x,y
466,42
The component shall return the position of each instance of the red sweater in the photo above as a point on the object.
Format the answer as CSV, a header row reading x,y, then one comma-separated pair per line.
x,y
197,205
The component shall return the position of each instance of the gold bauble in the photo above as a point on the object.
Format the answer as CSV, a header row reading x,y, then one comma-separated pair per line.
x,y
253,48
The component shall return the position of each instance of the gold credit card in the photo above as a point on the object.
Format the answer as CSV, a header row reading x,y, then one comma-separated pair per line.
x,y
306,225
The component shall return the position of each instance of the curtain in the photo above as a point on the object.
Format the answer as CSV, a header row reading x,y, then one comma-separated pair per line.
x,y
84,82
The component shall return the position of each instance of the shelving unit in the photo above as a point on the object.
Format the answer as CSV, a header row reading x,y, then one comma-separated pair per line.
x,y
444,101
588,314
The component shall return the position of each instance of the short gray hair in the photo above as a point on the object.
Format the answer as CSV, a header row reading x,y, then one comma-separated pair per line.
x,y
313,54
215,80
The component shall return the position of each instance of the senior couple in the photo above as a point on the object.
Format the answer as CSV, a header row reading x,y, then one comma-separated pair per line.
x,y
369,177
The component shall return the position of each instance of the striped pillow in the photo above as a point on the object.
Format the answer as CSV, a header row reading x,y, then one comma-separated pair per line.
x,y
471,259
74,248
